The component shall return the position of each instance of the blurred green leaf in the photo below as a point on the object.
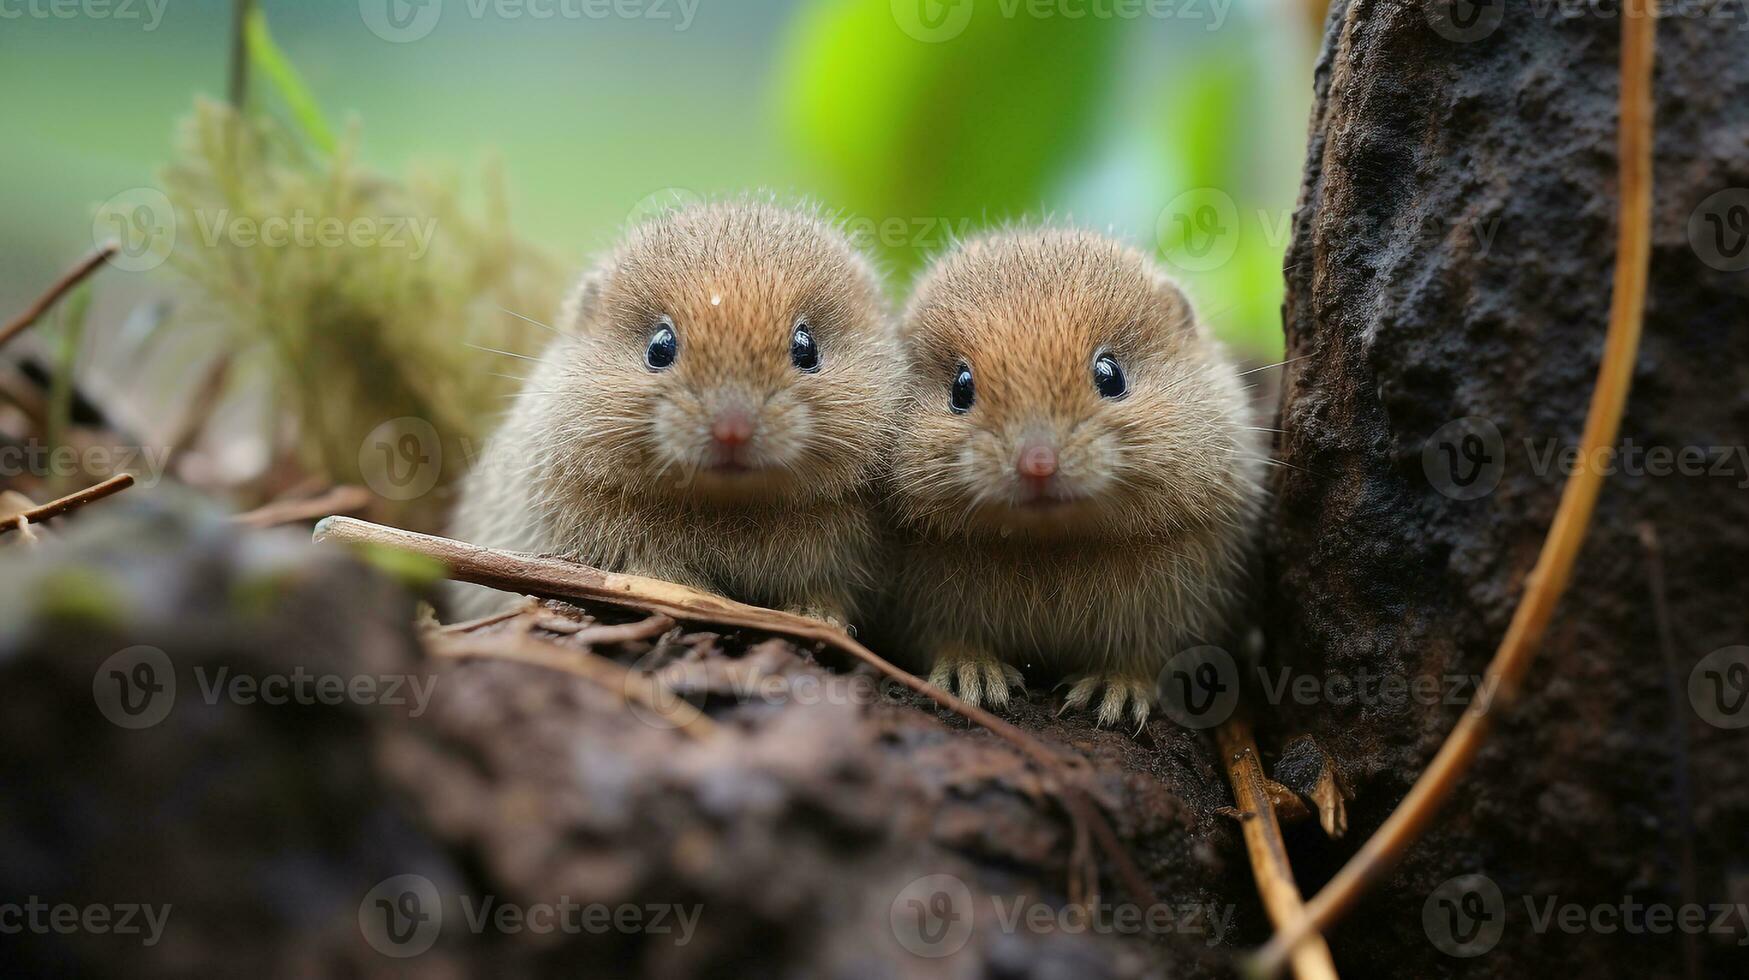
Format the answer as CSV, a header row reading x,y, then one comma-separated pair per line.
x,y
961,132
266,55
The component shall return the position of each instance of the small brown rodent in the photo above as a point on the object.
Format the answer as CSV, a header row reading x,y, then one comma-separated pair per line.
x,y
1075,478
711,414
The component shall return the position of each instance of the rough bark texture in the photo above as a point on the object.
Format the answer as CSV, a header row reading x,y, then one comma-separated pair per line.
x,y
1452,258
794,833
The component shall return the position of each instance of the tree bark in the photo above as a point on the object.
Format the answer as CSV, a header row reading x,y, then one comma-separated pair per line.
x,y
1448,288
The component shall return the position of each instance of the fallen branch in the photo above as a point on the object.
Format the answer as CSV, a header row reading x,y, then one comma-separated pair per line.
x,y
1264,845
557,579
71,502
62,287
1548,580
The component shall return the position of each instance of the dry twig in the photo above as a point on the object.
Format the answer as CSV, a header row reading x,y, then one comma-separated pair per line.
x,y
70,502
1264,844
558,579
1554,567
62,287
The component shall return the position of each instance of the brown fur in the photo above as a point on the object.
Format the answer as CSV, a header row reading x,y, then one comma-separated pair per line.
x,y
601,458
1149,554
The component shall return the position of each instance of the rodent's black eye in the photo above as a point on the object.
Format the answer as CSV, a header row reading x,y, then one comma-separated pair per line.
x,y
1108,377
803,352
663,348
963,393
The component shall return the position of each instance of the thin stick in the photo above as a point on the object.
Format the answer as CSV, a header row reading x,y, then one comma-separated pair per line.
x,y
337,500
1264,844
71,502
1554,567
607,675
558,579
62,287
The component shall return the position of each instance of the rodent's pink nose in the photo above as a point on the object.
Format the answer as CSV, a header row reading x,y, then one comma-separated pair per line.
x,y
1037,462
732,428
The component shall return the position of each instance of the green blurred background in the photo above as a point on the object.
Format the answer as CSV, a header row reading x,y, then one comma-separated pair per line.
x,y
921,118
525,135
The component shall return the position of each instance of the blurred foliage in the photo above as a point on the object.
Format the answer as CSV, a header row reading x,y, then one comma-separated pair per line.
x,y
360,330
946,130
967,132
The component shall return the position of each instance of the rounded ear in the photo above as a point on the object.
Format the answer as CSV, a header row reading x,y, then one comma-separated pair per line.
x,y
1176,304
583,303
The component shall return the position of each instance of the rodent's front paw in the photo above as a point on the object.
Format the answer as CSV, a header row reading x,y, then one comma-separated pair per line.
x,y
975,676
1120,689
